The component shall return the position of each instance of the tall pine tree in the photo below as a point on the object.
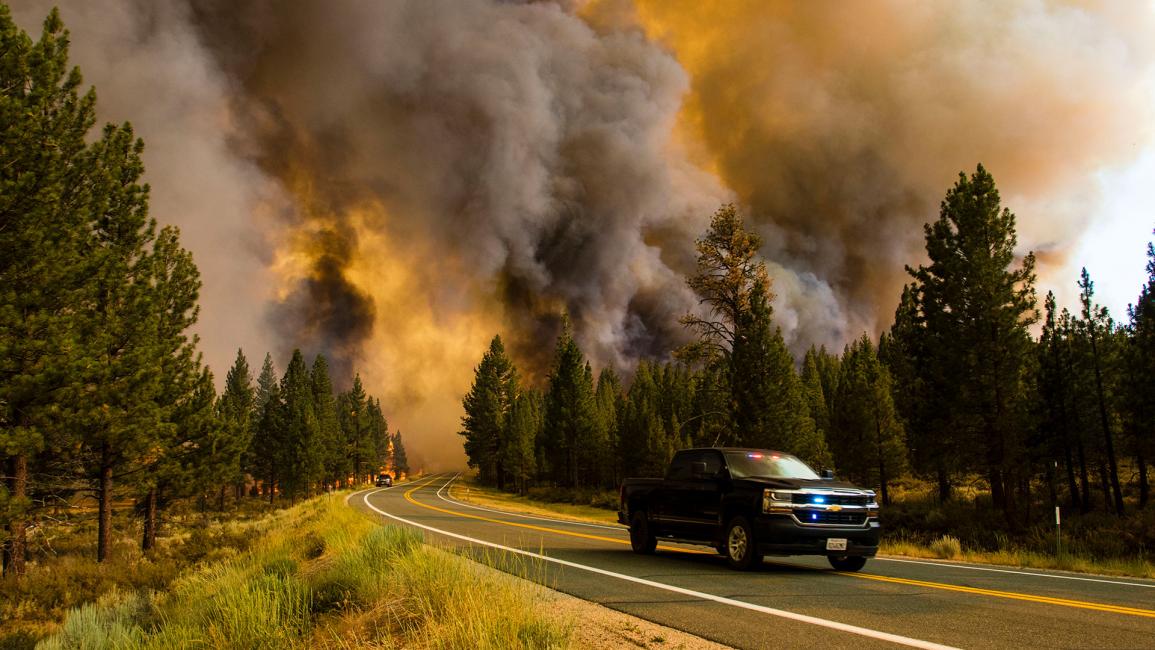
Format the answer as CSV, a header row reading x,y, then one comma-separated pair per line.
x,y
487,410
976,300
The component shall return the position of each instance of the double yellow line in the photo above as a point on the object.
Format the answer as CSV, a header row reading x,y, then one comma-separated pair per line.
x,y
410,499
1047,600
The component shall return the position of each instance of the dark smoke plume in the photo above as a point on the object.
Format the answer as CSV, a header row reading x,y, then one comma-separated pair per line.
x,y
390,183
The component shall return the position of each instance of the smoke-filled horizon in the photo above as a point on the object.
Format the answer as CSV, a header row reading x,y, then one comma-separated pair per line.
x,y
391,184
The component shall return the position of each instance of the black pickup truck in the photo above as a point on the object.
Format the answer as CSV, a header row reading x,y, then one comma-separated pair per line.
x,y
748,503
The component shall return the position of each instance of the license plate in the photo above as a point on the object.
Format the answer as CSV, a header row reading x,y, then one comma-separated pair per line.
x,y
836,544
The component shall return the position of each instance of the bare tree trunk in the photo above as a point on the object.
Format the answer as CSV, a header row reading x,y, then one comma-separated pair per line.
x,y
16,546
272,482
1144,486
148,541
944,487
104,516
1113,467
1084,476
881,459
221,500
1105,484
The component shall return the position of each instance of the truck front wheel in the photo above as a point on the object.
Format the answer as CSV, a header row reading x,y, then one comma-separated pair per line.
x,y
642,540
847,562
741,548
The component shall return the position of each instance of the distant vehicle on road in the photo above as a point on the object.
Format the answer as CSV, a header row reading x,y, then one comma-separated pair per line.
x,y
748,503
384,480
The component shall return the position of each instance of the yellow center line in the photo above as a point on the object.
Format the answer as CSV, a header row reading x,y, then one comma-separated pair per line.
x,y
1102,607
1047,600
409,498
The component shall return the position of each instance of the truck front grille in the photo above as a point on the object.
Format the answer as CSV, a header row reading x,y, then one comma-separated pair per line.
x,y
840,499
822,517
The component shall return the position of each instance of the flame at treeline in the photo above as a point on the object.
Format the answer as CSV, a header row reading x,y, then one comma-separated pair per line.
x,y
425,174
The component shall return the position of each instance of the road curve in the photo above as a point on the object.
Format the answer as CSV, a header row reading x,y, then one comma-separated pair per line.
x,y
794,602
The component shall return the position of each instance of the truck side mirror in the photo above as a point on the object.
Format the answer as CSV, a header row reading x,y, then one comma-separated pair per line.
x,y
698,470
827,474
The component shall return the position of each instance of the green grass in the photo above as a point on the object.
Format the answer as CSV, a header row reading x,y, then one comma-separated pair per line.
x,y
321,575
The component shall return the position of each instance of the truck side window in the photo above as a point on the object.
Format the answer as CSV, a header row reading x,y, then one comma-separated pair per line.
x,y
680,467
713,462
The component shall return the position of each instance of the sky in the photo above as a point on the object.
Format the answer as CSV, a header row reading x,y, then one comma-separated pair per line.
x,y
1114,247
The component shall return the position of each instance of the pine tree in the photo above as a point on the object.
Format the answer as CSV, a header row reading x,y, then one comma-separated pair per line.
x,y
1098,330
770,407
260,461
570,418
727,277
1140,365
400,458
329,435
976,309
607,403
523,428
120,402
46,205
197,452
815,394
354,418
235,409
380,441
1056,405
174,286
302,434
866,435
487,409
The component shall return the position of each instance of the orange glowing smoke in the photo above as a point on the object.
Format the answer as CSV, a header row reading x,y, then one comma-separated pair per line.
x,y
420,354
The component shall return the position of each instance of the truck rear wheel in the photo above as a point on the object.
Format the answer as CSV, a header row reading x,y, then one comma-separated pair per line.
x,y
846,562
741,548
642,540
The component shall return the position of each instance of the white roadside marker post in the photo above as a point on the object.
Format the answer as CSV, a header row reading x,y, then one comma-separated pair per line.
x,y
1058,535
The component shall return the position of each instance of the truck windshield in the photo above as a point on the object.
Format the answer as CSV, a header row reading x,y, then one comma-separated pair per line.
x,y
746,464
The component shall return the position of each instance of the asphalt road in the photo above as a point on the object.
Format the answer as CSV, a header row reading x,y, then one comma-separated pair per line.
x,y
796,602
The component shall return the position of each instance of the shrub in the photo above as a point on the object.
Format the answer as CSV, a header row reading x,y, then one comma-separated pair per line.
x,y
947,547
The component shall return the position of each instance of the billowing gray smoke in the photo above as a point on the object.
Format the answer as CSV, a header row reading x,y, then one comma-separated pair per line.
x,y
362,178
529,148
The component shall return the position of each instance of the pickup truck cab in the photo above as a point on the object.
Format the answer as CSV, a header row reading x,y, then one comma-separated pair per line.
x,y
748,503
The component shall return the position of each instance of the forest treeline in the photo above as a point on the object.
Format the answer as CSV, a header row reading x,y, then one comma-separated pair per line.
x,y
102,390
958,389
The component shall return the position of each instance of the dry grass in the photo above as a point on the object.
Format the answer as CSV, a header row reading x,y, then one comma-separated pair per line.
x,y
321,575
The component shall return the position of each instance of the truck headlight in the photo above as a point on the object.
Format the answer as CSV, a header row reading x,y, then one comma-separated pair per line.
x,y
775,501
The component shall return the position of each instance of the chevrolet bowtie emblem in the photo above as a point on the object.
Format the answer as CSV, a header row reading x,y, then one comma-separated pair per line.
x,y
834,508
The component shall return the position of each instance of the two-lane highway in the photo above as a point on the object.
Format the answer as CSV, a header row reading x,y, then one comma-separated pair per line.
x,y
790,602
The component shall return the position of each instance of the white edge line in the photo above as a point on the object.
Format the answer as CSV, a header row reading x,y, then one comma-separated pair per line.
x,y
1022,573
449,499
834,625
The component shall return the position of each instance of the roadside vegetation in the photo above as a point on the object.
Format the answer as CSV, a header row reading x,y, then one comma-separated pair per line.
x,y
317,575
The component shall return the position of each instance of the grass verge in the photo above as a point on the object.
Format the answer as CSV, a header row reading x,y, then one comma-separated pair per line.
x,y
1018,557
321,575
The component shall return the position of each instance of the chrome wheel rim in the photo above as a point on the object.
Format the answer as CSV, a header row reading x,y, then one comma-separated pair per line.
x,y
737,542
